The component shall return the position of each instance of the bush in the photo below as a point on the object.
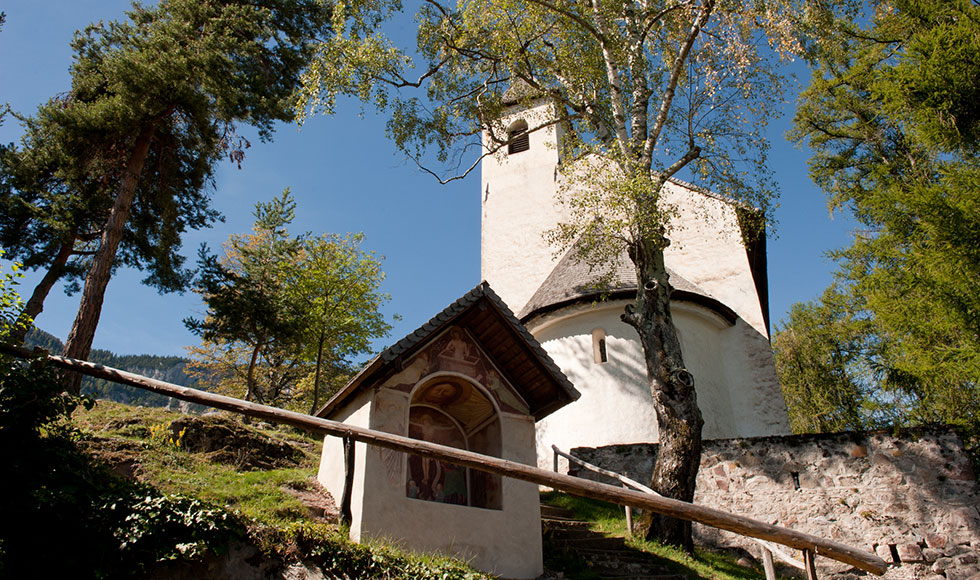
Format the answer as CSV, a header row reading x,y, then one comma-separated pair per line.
x,y
58,500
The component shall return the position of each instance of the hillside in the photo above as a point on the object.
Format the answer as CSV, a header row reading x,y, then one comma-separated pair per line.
x,y
164,368
120,492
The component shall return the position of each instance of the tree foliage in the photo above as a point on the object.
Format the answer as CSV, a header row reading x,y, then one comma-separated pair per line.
x,y
642,91
286,315
125,157
892,116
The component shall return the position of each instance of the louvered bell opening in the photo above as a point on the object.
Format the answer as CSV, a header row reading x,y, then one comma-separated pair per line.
x,y
519,141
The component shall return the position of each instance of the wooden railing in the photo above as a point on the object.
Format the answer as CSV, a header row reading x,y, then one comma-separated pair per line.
x,y
769,549
811,545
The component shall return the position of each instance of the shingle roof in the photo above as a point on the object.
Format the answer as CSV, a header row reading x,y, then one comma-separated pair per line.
x,y
571,282
520,91
503,337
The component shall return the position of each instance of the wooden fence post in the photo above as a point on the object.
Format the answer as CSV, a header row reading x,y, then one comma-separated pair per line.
x,y
768,564
811,567
345,511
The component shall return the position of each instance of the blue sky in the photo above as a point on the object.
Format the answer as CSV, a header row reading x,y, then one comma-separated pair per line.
x,y
347,177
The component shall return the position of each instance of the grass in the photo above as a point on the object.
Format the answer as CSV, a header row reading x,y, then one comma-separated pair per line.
x,y
280,524
610,519
258,495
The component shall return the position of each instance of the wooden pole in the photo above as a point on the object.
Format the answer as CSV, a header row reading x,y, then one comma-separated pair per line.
x,y
345,502
768,564
811,568
582,487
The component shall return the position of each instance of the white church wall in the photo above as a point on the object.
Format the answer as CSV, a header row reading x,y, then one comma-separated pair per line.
x,y
519,204
706,248
760,410
615,407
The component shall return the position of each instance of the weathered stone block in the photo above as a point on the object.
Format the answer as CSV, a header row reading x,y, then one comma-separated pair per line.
x,y
884,552
961,573
931,554
964,559
941,564
910,553
939,541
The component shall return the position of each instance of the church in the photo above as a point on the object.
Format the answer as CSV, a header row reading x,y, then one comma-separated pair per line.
x,y
719,304
531,359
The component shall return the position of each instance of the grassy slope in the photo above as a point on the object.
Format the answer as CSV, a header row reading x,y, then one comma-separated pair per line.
x,y
119,434
139,442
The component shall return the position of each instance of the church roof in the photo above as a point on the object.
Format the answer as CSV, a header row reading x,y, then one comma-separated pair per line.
x,y
521,359
572,282
520,91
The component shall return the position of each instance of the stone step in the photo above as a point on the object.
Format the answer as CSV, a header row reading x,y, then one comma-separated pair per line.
x,y
622,563
598,543
555,512
607,556
559,536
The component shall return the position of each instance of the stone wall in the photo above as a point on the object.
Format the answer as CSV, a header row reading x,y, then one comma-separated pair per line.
x,y
912,499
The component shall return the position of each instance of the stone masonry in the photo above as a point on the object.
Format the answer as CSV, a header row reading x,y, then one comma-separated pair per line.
x,y
911,498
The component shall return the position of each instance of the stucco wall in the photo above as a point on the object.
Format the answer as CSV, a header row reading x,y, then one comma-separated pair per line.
x,y
505,541
912,499
518,201
737,389
331,473
706,248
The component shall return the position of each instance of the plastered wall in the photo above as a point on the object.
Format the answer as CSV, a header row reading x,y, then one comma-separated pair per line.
x,y
737,388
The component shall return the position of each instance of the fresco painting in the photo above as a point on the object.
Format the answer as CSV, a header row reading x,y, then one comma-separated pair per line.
x,y
429,479
451,411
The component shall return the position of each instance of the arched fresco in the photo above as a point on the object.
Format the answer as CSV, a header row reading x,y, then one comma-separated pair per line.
x,y
450,410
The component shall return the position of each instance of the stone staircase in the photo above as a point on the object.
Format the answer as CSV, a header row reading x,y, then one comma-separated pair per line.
x,y
607,556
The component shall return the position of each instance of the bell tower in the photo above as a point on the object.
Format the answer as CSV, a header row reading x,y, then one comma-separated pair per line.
x,y
519,198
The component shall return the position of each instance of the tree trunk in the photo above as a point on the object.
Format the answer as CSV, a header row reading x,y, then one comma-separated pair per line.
x,y
79,344
316,377
251,393
672,387
35,305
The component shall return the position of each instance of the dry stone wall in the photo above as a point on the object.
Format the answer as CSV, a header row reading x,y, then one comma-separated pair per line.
x,y
912,498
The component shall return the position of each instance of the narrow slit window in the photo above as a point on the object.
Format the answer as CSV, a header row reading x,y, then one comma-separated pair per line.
x,y
599,346
518,139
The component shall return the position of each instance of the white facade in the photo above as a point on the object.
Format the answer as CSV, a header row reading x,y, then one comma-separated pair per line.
x,y
720,318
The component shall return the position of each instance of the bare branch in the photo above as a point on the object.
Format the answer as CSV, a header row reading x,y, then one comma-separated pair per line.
x,y
675,75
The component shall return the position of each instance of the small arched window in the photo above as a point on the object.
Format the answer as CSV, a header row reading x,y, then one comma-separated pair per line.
x,y
518,139
599,346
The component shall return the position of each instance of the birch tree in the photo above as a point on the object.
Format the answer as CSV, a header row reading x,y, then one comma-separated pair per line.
x,y
648,89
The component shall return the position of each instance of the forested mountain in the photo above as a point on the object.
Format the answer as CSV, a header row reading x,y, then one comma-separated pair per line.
x,y
164,368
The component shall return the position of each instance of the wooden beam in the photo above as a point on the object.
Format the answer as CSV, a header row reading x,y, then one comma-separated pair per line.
x,y
582,487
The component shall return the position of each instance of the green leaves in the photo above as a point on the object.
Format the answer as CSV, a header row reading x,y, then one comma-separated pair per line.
x,y
281,308
892,117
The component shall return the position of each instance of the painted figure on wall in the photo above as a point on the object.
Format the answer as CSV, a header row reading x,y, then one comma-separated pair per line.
x,y
430,479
